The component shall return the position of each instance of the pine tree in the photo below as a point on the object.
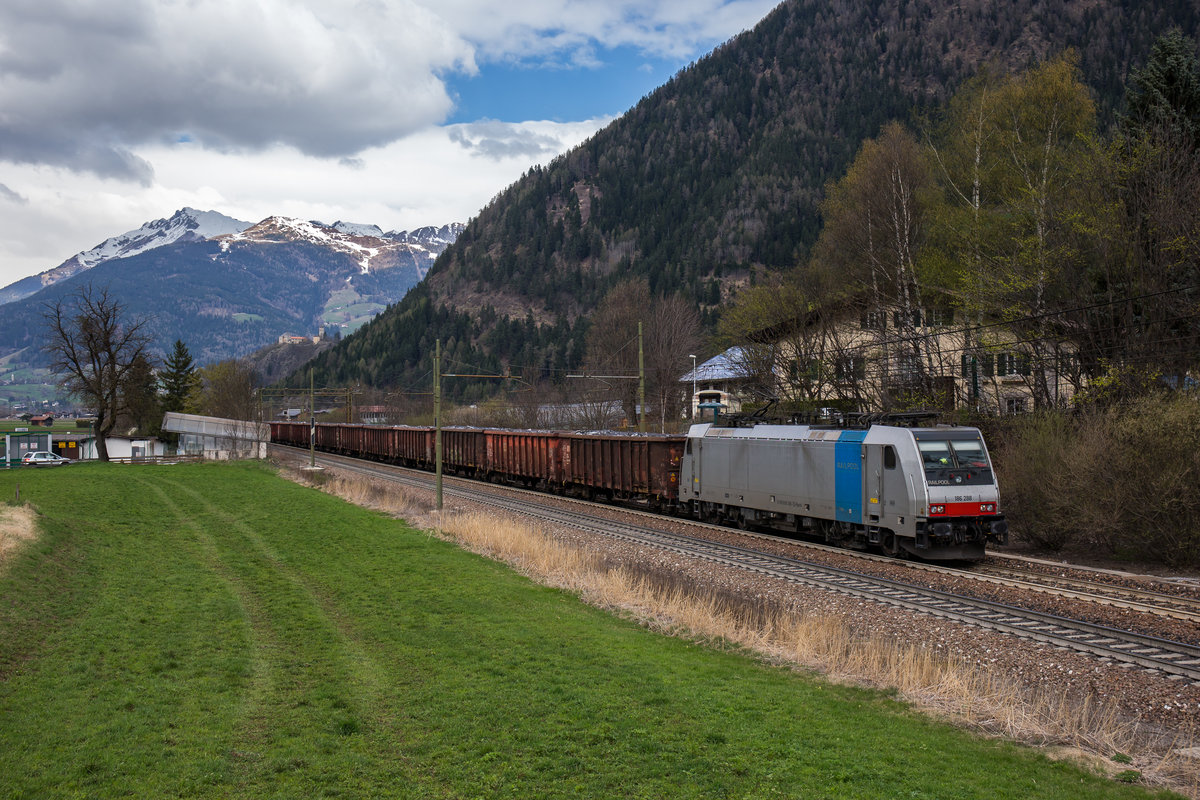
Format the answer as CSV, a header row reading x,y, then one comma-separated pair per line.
x,y
178,378
143,409
1164,96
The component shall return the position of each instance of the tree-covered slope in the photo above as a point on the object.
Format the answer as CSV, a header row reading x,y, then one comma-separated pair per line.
x,y
720,172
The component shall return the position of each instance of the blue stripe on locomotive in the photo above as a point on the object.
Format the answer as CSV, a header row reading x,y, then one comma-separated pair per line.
x,y
848,481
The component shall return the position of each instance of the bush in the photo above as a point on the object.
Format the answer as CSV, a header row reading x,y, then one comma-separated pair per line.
x,y
1121,480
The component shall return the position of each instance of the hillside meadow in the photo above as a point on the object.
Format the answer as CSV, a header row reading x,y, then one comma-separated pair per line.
x,y
213,630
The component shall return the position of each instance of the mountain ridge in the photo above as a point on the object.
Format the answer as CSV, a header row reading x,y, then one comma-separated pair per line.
x,y
230,294
185,224
717,176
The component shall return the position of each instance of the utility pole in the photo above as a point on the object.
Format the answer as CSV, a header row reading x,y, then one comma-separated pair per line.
x,y
692,404
312,421
975,382
437,419
641,384
437,412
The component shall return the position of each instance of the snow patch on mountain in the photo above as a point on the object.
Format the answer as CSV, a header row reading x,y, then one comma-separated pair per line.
x,y
355,228
187,224
366,243
288,229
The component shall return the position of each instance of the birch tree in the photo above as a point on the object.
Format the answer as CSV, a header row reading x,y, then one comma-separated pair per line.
x,y
867,254
1012,157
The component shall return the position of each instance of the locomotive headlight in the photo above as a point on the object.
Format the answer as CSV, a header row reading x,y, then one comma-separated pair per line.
x,y
987,508
937,509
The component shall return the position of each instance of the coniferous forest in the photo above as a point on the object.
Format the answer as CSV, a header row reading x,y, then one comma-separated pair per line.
x,y
715,181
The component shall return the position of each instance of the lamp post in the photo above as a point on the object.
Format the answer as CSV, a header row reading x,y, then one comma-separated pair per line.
x,y
693,403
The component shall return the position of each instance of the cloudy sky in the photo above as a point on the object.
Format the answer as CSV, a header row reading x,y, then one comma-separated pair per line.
x,y
400,113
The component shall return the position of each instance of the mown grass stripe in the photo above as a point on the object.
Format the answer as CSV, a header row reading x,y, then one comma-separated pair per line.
x,y
466,679
305,661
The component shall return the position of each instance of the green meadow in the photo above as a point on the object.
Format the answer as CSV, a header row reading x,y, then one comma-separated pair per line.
x,y
215,631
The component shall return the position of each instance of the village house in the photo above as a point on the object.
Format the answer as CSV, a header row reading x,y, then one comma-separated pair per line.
x,y
881,359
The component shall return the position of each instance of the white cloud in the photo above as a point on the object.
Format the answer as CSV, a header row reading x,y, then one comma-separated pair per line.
x,y
545,28
501,141
429,178
116,112
84,84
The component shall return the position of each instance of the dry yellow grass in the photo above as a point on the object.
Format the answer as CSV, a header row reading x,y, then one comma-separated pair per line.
x,y
16,526
1089,732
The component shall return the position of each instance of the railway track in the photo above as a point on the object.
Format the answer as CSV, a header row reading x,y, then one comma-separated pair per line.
x,y
1176,606
1178,660
1144,601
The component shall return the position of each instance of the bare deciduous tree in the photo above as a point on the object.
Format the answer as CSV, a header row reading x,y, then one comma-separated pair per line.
x,y
612,341
226,389
670,332
95,350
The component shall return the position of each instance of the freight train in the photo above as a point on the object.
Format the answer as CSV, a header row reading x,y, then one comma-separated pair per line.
x,y
927,492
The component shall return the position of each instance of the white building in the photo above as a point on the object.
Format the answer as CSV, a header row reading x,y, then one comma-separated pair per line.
x,y
216,438
125,447
715,385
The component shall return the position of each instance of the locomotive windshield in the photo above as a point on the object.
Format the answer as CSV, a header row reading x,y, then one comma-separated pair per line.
x,y
955,462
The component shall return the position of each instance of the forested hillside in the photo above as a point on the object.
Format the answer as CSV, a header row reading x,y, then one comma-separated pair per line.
x,y
717,177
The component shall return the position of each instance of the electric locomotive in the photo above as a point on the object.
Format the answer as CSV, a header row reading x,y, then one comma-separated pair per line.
x,y
929,492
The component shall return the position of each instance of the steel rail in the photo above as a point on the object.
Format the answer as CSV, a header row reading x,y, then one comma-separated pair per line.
x,y
1145,600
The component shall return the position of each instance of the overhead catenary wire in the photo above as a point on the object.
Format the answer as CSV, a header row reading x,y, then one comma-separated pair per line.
x,y
1077,335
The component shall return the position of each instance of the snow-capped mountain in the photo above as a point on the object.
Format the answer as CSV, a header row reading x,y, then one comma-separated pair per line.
x,y
441,237
429,235
354,228
229,294
368,244
187,224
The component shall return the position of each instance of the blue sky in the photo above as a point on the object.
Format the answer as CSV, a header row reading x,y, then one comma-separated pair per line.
x,y
516,93
400,113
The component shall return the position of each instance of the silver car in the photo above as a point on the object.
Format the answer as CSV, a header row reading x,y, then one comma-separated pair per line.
x,y
43,458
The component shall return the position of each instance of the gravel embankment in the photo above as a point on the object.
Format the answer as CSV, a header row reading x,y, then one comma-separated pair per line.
x,y
1171,704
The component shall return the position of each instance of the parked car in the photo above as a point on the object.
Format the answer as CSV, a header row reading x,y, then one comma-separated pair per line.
x,y
43,458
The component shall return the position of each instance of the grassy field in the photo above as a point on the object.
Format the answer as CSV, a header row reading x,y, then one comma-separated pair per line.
x,y
213,630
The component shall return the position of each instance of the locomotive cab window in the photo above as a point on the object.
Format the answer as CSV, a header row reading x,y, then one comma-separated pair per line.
x,y
935,454
955,462
889,457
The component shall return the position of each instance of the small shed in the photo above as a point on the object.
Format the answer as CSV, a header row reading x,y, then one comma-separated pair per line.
x,y
217,438
134,448
17,444
713,408
75,446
